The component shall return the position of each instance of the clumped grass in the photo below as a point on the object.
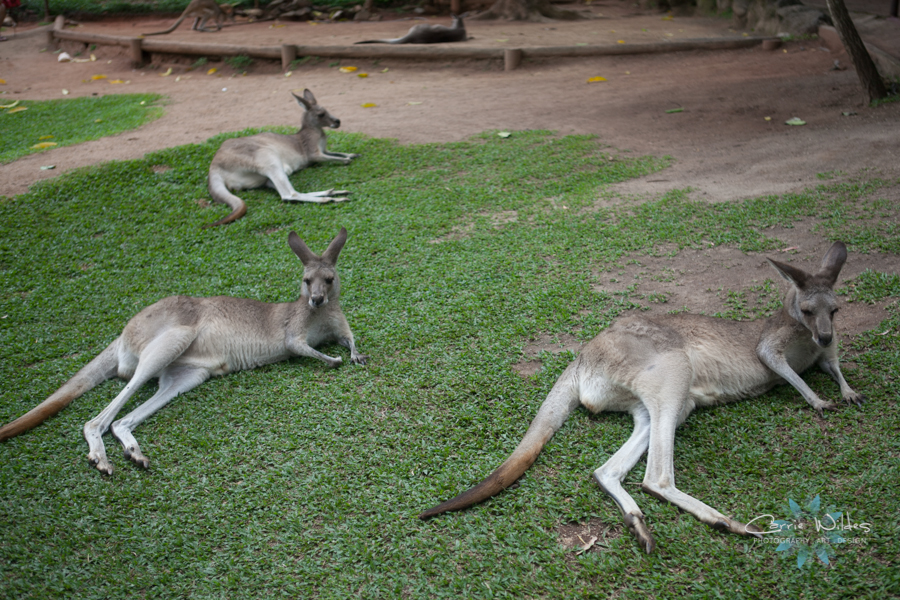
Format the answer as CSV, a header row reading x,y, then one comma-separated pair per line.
x,y
295,481
68,122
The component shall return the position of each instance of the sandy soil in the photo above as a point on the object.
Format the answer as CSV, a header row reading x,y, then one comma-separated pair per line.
x,y
723,145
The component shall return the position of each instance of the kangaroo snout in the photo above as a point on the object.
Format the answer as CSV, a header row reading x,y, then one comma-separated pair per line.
x,y
824,339
317,300
335,123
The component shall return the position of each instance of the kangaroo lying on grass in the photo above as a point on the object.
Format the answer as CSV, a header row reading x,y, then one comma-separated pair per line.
x,y
268,158
428,34
202,11
184,341
659,369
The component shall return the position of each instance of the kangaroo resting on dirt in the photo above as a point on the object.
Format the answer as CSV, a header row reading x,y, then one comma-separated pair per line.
x,y
660,368
184,341
268,158
202,11
429,34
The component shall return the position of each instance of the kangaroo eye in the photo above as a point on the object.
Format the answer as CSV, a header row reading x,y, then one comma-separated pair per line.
x,y
306,281
834,311
328,280
808,313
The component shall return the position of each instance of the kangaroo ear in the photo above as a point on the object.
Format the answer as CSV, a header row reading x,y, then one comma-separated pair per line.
x,y
308,96
798,277
300,249
301,101
833,261
334,248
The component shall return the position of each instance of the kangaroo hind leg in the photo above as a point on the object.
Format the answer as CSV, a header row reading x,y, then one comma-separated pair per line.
x,y
665,394
156,356
614,470
278,179
172,382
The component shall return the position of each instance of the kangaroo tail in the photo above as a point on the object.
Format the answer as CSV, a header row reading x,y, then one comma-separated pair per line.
x,y
560,403
220,193
103,367
170,29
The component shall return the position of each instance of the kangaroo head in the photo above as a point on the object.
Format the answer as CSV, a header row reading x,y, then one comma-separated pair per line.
x,y
316,116
811,300
320,279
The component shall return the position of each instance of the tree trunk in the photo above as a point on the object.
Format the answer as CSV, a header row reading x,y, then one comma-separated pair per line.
x,y
862,62
527,10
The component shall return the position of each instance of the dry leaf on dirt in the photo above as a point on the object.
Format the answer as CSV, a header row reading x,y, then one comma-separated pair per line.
x,y
98,77
674,110
593,79
347,69
368,105
504,134
43,145
167,73
795,121
211,71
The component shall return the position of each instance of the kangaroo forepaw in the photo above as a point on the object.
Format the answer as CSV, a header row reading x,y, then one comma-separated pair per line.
x,y
359,359
640,531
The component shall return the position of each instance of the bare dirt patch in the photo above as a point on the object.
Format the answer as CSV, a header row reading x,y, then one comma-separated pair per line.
x,y
591,536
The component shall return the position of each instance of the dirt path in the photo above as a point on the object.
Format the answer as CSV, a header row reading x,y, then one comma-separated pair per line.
x,y
723,145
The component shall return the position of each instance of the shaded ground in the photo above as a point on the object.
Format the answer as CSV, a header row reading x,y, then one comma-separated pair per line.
x,y
729,142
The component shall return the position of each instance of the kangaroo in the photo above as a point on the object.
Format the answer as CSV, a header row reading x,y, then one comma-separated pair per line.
x,y
659,369
268,158
202,11
184,341
429,34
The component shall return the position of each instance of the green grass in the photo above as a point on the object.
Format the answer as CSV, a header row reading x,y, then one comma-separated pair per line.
x,y
296,481
68,122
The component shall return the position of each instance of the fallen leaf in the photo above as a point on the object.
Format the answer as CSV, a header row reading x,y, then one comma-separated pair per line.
x,y
628,72
581,44
593,79
167,73
2,82
178,78
289,73
585,546
362,74
17,109
675,110
98,120
44,145
276,26
211,71
116,81
9,105
795,121
98,77
413,103
368,105
46,137
503,40
384,70
668,18
884,332
347,69
768,118
65,92
848,113
620,42
94,58
791,248
47,168
504,134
